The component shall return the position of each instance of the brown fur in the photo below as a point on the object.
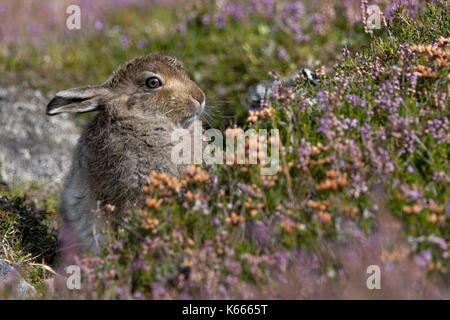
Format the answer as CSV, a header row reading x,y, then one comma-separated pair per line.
x,y
129,137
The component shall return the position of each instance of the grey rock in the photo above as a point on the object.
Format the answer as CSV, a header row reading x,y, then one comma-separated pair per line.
x,y
8,275
4,184
264,89
33,146
5,269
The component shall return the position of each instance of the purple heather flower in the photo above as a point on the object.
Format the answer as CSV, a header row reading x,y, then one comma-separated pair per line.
x,y
389,167
281,54
355,101
233,267
441,242
345,52
290,17
321,98
387,96
181,28
411,6
214,182
248,190
115,29
438,129
231,280
303,154
423,258
98,25
220,21
205,19
158,290
350,123
264,8
235,11
438,176
125,41
413,194
33,29
410,169
141,43
357,234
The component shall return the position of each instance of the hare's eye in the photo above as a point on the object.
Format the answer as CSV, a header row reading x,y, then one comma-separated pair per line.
x,y
153,82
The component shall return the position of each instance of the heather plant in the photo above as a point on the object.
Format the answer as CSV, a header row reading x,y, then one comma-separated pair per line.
x,y
364,166
237,35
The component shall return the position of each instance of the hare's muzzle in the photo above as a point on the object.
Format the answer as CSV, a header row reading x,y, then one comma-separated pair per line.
x,y
199,106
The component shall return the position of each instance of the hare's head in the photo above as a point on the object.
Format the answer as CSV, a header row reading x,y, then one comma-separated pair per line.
x,y
142,87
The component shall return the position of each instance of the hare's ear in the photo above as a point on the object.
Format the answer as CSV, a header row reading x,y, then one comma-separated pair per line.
x,y
77,100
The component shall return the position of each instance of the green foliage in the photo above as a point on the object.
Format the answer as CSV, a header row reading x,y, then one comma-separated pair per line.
x,y
368,142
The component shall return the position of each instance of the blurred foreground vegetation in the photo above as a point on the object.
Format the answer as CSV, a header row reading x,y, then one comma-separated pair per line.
x,y
364,177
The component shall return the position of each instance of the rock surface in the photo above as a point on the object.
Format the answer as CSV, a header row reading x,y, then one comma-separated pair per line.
x,y
33,146
264,89
8,275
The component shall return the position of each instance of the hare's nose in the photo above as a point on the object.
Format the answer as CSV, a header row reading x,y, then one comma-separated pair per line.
x,y
199,105
200,100
198,94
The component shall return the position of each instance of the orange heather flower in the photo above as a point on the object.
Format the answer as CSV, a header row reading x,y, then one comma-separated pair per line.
x,y
189,196
435,208
153,203
324,217
332,174
193,174
234,218
333,184
442,62
407,209
312,204
286,226
351,212
150,223
432,218
416,209
443,41
315,151
187,263
423,71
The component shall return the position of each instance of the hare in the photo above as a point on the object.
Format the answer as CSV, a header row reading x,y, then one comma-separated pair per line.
x,y
138,108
